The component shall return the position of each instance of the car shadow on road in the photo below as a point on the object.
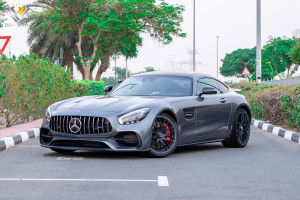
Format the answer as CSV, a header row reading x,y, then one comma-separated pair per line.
x,y
134,155
199,148
98,155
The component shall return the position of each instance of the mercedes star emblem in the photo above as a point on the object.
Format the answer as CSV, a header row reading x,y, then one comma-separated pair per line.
x,y
75,125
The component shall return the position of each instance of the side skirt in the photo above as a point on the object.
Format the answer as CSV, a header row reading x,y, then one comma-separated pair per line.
x,y
202,142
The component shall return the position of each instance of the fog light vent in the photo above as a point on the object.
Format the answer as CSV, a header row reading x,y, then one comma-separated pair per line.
x,y
127,139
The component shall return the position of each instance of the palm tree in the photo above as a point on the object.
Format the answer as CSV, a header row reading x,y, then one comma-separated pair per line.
x,y
59,48
2,5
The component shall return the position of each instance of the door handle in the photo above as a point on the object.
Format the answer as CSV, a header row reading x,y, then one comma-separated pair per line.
x,y
223,100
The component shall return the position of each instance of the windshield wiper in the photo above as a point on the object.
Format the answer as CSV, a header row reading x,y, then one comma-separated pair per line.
x,y
133,84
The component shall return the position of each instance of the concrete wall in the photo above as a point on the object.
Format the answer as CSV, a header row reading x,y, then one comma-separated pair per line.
x,y
290,81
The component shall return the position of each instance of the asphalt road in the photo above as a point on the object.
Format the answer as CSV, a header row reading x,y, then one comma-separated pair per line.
x,y
268,168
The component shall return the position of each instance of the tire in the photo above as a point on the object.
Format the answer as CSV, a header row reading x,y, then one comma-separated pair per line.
x,y
164,136
240,132
63,151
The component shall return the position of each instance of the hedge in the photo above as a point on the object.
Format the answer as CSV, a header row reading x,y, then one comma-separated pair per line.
x,y
94,87
28,85
273,103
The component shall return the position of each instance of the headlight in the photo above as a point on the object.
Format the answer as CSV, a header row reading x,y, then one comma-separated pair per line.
x,y
134,116
48,113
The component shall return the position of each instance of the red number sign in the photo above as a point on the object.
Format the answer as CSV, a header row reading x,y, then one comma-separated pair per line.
x,y
7,38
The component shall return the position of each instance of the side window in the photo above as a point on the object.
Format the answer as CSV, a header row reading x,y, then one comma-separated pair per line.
x,y
207,82
222,87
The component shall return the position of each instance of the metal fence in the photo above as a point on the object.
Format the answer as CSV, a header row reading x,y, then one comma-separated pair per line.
x,y
289,81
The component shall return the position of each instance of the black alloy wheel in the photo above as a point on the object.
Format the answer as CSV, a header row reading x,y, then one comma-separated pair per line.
x,y
243,128
240,132
164,136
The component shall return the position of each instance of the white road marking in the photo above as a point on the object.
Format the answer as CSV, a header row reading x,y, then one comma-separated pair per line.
x,y
9,141
288,135
69,158
276,130
256,123
265,127
81,180
24,136
162,180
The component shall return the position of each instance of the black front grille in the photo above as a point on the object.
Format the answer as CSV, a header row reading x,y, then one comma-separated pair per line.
x,y
89,125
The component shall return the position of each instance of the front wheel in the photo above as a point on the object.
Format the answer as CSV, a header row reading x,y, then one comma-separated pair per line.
x,y
240,132
164,136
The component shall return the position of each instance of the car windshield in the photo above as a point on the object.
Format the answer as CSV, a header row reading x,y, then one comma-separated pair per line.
x,y
175,86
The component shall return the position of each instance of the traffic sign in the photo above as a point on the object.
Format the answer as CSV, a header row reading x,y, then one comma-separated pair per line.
x,y
6,40
246,72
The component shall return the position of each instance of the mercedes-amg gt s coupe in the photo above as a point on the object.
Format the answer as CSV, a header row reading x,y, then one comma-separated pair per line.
x,y
153,113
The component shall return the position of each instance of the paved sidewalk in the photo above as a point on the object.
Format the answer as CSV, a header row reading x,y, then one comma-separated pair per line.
x,y
20,128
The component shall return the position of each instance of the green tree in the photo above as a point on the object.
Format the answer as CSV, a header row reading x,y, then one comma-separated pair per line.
x,y
121,75
149,69
146,69
295,55
112,26
2,5
267,71
110,80
277,51
235,62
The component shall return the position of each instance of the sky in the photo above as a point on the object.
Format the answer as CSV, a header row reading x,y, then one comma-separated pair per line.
x,y
234,21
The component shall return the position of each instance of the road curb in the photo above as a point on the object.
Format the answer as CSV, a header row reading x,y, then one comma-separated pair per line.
x,y
276,130
18,138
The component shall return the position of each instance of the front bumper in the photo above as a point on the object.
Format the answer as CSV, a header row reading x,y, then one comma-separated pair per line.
x,y
119,139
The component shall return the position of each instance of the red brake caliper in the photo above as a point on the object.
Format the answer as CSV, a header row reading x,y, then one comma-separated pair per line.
x,y
168,132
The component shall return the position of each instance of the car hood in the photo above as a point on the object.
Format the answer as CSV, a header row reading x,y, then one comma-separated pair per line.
x,y
107,103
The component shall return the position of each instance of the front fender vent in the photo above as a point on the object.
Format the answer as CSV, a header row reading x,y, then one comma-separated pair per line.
x,y
189,113
88,125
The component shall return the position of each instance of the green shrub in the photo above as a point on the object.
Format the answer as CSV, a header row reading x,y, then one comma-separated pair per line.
x,y
251,86
273,103
290,103
94,87
28,85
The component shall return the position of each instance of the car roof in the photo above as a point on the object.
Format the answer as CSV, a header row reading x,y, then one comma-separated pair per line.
x,y
174,73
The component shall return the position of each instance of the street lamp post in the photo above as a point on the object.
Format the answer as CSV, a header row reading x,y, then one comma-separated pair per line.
x,y
115,66
218,56
194,38
9,49
258,42
126,68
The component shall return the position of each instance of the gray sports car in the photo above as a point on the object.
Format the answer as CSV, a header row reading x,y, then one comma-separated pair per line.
x,y
153,112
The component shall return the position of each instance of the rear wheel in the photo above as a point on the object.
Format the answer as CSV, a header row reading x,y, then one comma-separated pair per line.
x,y
240,132
62,150
164,136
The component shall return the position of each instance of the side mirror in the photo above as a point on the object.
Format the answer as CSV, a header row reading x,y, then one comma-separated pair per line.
x,y
108,88
119,82
237,90
209,91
